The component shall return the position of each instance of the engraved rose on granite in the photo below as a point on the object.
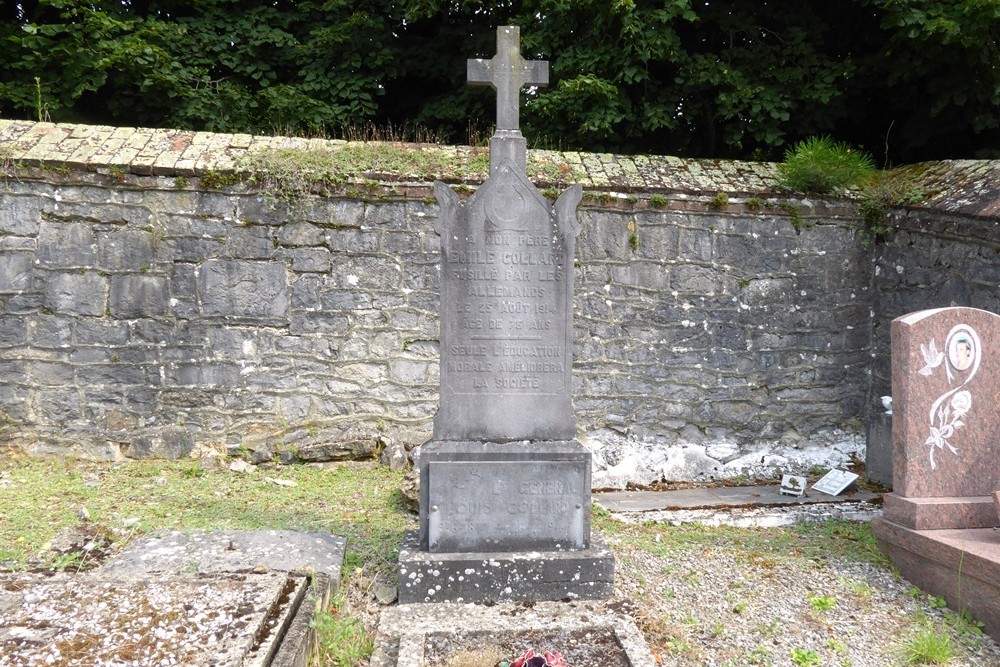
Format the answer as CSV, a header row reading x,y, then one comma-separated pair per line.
x,y
962,355
949,420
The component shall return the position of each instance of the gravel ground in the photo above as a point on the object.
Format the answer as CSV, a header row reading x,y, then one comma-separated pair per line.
x,y
710,607
717,607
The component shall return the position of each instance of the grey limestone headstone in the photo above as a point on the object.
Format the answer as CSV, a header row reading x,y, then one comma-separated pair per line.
x,y
503,473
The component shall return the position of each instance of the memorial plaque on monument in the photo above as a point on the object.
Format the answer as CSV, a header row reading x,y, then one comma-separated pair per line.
x,y
503,481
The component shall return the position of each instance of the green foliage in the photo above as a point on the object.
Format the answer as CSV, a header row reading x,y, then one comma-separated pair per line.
x,y
658,201
803,657
341,640
822,603
710,79
881,193
928,646
719,201
821,165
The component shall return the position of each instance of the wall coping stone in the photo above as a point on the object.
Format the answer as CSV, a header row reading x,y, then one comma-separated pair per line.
x,y
964,187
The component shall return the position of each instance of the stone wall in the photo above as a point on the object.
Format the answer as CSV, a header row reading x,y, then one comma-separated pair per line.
x,y
721,328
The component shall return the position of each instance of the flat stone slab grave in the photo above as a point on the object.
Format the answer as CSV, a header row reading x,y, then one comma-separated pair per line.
x,y
723,496
224,598
586,633
231,619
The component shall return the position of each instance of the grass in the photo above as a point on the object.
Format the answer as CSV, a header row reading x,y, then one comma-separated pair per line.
x,y
288,175
928,645
341,638
43,496
816,541
361,502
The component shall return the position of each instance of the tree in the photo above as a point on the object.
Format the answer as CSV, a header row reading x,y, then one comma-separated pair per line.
x,y
907,79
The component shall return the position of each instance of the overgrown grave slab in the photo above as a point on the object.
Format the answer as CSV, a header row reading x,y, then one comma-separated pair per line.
x,y
313,557
222,619
225,598
585,632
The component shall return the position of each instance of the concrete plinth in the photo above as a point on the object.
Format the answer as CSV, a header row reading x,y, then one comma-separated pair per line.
x,y
962,565
503,576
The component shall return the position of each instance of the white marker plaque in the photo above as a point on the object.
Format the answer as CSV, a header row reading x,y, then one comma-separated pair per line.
x,y
835,482
793,485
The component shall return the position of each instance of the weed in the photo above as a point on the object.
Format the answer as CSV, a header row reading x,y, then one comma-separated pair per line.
x,y
718,202
340,639
822,603
717,629
73,560
633,241
805,657
879,194
823,166
754,205
836,645
861,590
927,646
798,223
669,594
216,180
658,201
180,182
759,656
739,607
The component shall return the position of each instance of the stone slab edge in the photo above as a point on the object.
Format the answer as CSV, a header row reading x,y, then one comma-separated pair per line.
x,y
300,635
402,629
941,513
965,572
218,551
503,576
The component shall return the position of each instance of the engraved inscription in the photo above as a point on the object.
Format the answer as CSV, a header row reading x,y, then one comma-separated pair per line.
x,y
507,330
491,501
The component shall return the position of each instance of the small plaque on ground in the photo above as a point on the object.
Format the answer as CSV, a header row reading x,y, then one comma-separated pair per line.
x,y
835,482
793,485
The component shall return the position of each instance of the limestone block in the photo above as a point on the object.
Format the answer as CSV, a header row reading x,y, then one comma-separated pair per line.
x,y
79,294
243,289
134,296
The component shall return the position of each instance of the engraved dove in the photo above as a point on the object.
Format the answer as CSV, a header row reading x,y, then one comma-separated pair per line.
x,y
932,358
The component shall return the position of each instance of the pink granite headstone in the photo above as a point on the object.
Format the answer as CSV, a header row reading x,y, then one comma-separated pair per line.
x,y
946,426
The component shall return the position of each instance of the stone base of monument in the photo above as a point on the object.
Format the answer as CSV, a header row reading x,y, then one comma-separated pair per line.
x,y
938,513
962,565
585,633
504,521
503,575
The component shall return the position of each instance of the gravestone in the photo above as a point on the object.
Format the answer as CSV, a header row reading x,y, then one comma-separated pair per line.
x,y
945,384
939,523
504,486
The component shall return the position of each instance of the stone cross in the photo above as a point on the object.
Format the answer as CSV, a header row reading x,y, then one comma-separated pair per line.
x,y
507,72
